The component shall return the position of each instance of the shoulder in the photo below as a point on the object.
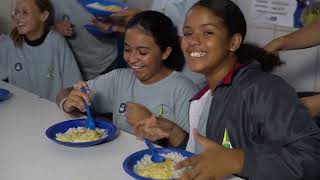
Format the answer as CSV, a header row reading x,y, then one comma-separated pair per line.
x,y
253,80
119,75
180,81
56,37
179,76
5,40
57,41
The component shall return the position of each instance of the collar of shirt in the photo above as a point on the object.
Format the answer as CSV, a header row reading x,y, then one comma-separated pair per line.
x,y
227,80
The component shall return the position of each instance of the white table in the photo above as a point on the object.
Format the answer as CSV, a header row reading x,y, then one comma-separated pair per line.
x,y
27,154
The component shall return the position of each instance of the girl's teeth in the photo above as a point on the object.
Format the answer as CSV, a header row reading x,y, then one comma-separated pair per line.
x,y
136,67
197,54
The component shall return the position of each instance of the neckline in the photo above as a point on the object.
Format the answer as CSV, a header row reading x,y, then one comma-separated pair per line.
x,y
39,41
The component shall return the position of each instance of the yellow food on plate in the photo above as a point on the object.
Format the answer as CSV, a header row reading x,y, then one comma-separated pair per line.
x,y
110,8
163,170
81,134
113,8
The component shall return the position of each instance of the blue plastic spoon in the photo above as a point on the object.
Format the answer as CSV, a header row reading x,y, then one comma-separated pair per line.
x,y
157,158
90,122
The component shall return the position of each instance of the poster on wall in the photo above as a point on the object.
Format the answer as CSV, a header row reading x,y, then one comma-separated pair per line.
x,y
290,13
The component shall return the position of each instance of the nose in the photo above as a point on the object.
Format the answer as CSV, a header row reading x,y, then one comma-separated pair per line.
x,y
131,57
194,40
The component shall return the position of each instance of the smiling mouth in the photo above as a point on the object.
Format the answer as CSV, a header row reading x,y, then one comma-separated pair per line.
x,y
136,67
197,54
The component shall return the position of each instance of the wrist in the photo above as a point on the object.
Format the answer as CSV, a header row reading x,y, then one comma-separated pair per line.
x,y
237,161
176,136
282,44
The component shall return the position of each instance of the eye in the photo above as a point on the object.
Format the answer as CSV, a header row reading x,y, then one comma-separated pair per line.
x,y
208,33
143,53
187,34
127,50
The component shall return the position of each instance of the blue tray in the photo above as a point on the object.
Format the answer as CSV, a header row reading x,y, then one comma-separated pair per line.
x,y
101,13
4,94
62,127
131,160
92,29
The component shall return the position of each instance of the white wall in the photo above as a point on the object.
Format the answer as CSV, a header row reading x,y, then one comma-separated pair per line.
x,y
302,68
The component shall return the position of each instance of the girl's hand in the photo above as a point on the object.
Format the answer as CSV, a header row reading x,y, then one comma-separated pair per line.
x,y
117,21
214,162
64,28
151,128
76,97
136,112
274,46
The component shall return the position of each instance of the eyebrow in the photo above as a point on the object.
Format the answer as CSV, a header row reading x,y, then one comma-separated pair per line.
x,y
138,47
202,25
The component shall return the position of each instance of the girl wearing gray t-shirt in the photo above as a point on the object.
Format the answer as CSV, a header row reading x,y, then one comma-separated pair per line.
x,y
35,58
152,51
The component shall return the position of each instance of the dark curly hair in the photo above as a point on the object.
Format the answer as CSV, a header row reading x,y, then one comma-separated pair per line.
x,y
164,33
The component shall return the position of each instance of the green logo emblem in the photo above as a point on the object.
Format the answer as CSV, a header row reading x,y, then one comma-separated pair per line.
x,y
161,112
226,141
50,74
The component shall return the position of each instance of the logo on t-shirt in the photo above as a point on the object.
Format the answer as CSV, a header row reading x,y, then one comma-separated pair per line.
x,y
122,108
226,140
50,74
162,111
18,67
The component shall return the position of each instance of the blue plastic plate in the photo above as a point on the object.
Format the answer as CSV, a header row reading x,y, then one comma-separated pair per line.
x,y
95,31
62,127
131,160
98,12
4,94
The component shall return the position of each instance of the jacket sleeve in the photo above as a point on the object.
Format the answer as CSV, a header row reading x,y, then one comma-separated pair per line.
x,y
286,140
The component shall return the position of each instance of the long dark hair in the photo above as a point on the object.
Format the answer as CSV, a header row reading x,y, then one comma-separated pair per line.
x,y
43,5
164,33
234,21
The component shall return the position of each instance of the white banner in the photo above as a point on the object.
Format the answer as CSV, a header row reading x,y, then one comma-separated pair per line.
x,y
278,12
291,13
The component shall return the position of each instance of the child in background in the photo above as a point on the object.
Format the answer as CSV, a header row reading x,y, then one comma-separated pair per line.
x,y
37,59
94,55
153,54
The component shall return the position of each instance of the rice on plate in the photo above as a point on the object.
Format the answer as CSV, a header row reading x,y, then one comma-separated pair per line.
x,y
163,170
81,134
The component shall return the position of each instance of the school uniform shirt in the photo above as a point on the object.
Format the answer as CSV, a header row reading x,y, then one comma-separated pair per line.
x,y
94,55
261,114
198,112
175,9
168,97
3,55
42,69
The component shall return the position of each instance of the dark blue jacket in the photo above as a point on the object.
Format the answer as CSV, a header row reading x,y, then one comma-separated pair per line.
x,y
264,118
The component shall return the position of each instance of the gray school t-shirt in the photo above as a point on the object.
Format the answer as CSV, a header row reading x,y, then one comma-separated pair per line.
x,y
170,96
43,70
3,56
92,54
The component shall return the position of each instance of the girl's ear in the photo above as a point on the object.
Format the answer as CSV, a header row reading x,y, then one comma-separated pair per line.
x,y
44,16
236,42
166,53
